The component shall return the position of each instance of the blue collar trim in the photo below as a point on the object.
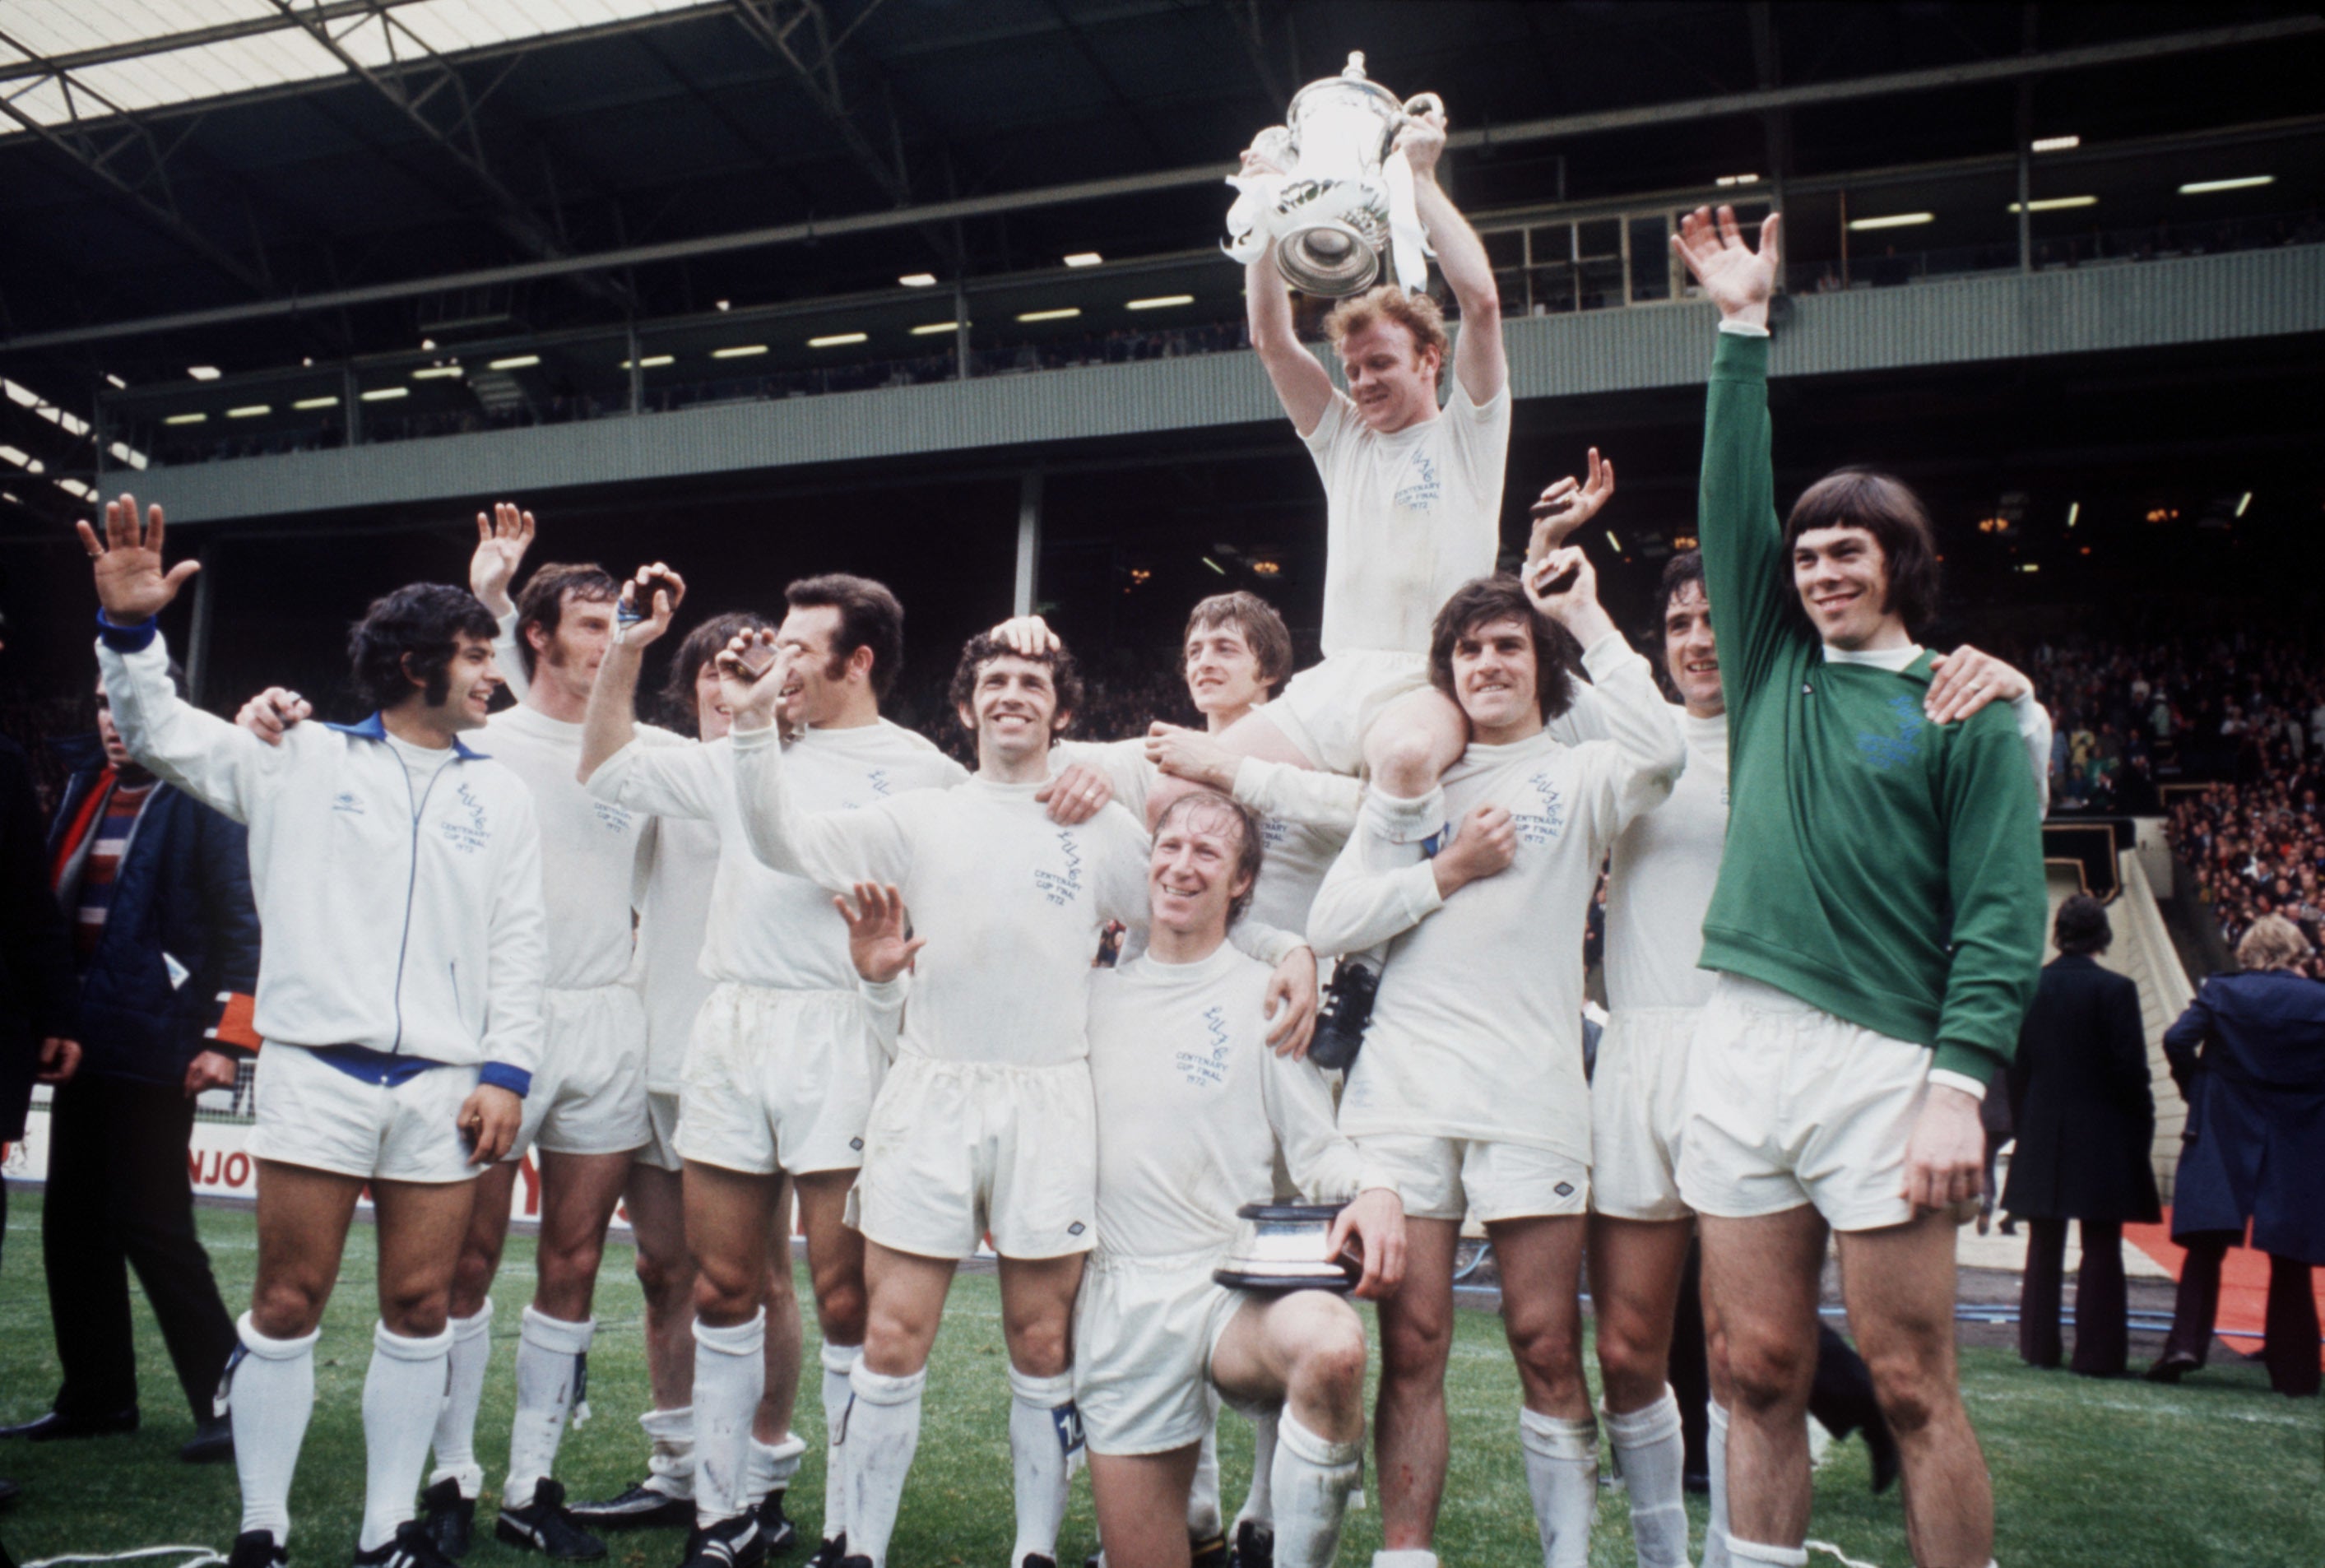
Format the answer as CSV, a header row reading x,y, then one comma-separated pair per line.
x,y
376,729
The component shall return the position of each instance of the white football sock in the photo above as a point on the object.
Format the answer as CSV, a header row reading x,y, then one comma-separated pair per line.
x,y
838,1362
1312,1477
730,1373
883,1428
464,1391
1561,1465
270,1392
1258,1504
401,1394
1405,1557
1203,1497
1044,1430
670,1467
1742,1551
1715,1451
1652,1454
552,1366
770,1466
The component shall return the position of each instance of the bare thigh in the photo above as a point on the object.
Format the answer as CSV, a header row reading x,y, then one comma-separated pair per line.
x,y
420,1226
303,1216
1141,1505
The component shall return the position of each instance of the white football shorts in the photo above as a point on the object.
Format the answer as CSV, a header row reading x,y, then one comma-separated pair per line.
x,y
959,1150
589,1093
661,1149
311,1114
1638,1107
1328,706
1789,1105
1449,1178
778,1081
1144,1329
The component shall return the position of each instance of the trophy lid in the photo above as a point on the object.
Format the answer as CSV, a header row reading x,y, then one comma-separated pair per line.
x,y
1352,78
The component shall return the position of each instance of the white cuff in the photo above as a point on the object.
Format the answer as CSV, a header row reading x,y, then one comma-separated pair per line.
x,y
1940,1076
754,740
1742,329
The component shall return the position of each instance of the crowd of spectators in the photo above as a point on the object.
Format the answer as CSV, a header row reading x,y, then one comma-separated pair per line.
x,y
2225,736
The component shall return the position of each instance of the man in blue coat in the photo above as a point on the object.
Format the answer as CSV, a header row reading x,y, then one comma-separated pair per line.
x,y
2249,1057
156,887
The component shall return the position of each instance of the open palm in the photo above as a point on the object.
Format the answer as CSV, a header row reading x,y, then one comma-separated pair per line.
x,y
1737,277
131,583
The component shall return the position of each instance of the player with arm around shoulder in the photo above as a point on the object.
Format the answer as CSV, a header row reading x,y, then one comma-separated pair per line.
x,y
984,1123
1469,1089
1192,1105
1877,928
397,873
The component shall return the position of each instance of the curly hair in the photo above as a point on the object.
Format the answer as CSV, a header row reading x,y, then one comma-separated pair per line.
x,y
1887,508
1492,599
1686,567
1251,841
982,649
1416,313
408,639
702,646
2273,942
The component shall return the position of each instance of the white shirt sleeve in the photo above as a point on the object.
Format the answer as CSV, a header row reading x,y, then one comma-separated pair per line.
x,y
2035,731
664,781
216,763
1356,908
833,849
1123,763
1306,795
1649,744
1325,1166
510,657
884,1001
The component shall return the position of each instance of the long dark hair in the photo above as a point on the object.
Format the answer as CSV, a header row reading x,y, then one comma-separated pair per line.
x,y
1887,508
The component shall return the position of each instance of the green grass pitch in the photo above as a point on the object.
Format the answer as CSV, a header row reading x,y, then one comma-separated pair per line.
x,y
2087,1474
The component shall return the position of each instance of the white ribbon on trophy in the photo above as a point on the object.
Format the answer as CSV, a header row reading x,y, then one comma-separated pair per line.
x,y
1329,191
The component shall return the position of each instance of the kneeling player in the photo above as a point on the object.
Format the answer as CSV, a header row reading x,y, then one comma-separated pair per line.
x,y
1470,1089
1191,1108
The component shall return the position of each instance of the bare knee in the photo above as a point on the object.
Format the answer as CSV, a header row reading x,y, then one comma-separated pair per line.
x,y
1403,759
287,1309
1043,1349
725,1295
664,1276
1769,1372
1633,1365
1549,1356
1327,1385
418,1310
1910,1391
840,1305
1414,1346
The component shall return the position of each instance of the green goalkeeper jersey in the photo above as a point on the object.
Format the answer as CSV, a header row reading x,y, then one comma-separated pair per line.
x,y
1884,868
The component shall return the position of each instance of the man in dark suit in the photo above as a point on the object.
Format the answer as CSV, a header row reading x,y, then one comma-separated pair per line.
x,y
2086,1120
2249,1057
156,887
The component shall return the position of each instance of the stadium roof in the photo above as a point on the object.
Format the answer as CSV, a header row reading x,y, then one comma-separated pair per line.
x,y
252,184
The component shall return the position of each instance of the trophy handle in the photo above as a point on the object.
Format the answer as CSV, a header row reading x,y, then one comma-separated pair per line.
x,y
1421,103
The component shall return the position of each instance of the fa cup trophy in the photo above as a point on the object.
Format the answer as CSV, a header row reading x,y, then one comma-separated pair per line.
x,y
1327,188
1285,1246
